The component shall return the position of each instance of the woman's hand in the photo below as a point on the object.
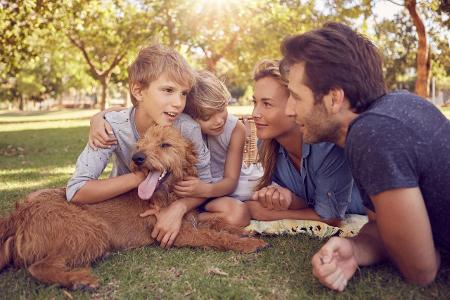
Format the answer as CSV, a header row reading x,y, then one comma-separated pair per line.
x,y
100,132
192,187
335,263
273,197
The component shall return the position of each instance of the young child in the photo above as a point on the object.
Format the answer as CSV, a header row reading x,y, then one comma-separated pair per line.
x,y
159,80
224,136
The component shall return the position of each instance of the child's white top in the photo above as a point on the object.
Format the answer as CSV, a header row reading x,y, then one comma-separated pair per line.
x,y
218,147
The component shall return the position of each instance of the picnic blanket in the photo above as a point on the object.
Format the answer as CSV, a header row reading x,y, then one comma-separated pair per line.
x,y
349,227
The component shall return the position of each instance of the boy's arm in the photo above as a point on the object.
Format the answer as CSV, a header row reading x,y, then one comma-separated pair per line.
x,y
84,186
168,219
98,190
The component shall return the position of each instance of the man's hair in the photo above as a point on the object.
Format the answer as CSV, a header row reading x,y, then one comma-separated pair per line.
x,y
336,56
154,60
208,96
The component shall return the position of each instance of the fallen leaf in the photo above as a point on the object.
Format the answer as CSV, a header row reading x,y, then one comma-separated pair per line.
x,y
216,271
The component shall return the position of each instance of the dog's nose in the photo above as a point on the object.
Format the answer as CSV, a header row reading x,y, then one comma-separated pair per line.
x,y
139,158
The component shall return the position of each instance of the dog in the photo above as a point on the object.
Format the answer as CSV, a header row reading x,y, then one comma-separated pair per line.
x,y
57,241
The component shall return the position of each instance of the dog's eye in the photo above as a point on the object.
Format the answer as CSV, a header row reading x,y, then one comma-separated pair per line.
x,y
165,145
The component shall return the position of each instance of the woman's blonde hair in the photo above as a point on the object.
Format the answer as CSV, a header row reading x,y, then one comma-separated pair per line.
x,y
268,150
208,96
154,60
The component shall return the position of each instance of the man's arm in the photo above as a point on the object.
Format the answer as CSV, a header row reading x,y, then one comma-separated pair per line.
x,y
401,232
404,228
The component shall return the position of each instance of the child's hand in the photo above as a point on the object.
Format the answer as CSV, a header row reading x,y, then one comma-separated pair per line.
x,y
273,197
258,212
191,187
168,223
100,133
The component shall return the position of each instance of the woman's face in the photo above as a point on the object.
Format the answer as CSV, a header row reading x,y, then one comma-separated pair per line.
x,y
269,102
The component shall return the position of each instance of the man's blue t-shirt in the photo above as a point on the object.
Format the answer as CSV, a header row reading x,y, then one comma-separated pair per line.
x,y
324,181
403,141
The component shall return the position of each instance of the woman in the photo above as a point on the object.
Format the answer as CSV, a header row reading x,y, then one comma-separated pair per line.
x,y
300,181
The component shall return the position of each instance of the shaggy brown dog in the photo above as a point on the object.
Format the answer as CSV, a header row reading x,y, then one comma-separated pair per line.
x,y
57,241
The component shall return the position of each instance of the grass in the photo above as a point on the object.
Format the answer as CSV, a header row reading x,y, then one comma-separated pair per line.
x,y
37,154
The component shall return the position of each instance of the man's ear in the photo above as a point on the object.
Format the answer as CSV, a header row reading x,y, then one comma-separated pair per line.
x,y
136,91
337,99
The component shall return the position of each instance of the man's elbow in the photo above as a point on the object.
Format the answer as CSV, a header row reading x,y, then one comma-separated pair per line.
x,y
422,276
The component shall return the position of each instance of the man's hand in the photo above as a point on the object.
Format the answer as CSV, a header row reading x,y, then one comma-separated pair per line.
x,y
168,223
100,133
191,187
335,263
273,197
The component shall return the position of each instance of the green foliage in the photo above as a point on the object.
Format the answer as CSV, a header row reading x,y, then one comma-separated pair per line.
x,y
48,47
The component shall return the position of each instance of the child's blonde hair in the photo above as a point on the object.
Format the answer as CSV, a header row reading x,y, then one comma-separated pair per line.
x,y
208,96
154,60
267,151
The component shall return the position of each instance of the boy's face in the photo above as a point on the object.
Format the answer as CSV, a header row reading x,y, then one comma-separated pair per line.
x,y
163,100
215,124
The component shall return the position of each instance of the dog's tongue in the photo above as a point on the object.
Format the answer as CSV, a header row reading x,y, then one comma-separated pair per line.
x,y
148,186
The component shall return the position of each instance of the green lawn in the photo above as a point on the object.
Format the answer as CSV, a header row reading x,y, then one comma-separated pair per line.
x,y
37,153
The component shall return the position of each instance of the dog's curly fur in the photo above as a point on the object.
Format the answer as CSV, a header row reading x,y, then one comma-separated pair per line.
x,y
57,241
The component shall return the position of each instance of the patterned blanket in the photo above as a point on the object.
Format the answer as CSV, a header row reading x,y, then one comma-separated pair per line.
x,y
349,227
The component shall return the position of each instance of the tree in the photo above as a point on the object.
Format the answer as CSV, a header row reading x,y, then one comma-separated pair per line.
x,y
423,61
105,32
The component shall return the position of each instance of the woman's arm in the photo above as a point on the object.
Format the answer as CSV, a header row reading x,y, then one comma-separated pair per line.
x,y
259,212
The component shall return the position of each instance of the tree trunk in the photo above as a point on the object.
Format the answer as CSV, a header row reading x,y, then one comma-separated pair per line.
x,y
102,102
21,103
422,69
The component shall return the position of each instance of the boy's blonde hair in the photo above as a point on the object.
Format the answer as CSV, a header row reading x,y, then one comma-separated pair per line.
x,y
154,60
208,96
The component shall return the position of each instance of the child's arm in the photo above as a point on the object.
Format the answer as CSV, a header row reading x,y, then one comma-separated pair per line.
x,y
168,219
193,187
84,186
98,190
101,134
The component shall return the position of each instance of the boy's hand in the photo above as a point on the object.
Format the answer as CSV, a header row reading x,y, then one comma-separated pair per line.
x,y
100,132
273,197
335,263
191,187
168,223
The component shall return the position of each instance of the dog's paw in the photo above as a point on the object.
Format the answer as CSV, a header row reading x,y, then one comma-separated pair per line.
x,y
254,245
88,284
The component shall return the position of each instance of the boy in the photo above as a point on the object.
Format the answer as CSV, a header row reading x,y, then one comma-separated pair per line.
x,y
397,145
159,80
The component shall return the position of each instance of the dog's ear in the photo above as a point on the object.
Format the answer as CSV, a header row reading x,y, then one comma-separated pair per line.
x,y
191,159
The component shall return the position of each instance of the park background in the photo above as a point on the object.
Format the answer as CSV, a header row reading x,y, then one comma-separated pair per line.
x,y
62,61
